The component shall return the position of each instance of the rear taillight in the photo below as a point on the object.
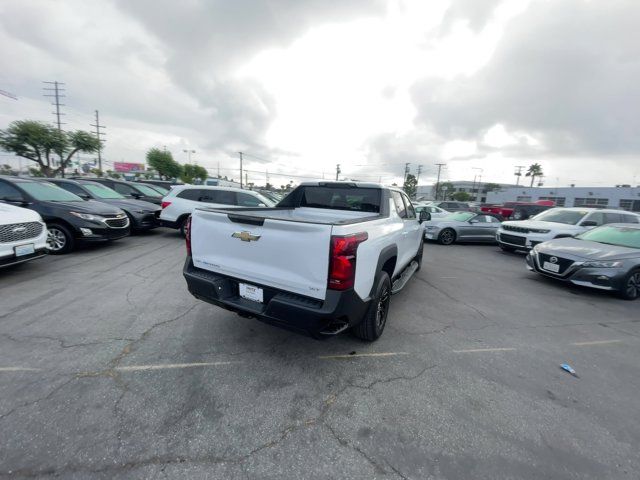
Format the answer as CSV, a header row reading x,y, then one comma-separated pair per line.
x,y
342,262
165,204
187,235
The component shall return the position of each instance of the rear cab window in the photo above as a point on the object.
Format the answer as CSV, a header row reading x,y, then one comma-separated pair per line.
x,y
345,198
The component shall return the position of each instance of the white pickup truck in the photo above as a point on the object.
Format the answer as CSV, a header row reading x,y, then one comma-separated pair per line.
x,y
326,258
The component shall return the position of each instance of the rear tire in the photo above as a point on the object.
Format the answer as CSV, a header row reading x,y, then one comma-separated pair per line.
x,y
60,240
447,236
183,226
374,321
631,286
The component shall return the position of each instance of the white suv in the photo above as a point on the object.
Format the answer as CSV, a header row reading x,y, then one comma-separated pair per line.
x,y
23,235
183,199
557,223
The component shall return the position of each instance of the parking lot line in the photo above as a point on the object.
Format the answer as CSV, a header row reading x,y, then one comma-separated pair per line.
x,y
19,369
167,366
356,355
595,342
478,350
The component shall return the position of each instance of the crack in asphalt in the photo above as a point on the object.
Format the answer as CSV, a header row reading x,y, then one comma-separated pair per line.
x,y
36,401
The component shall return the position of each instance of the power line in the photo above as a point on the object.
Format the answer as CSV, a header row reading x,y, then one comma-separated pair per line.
x,y
98,133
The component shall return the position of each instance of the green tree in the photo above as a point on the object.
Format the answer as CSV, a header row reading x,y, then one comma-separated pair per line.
x,y
97,172
410,185
192,172
163,163
492,187
35,172
534,171
39,142
7,170
112,174
461,196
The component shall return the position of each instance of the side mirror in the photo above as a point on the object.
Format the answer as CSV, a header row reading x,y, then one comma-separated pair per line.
x,y
136,195
424,216
473,220
261,205
589,223
84,196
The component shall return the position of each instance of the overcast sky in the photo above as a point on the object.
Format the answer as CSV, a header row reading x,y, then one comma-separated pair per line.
x,y
301,85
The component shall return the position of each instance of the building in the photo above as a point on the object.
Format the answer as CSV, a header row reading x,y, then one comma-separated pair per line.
x,y
623,197
220,182
476,189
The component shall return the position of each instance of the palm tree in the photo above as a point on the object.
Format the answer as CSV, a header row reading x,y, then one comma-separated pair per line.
x,y
534,171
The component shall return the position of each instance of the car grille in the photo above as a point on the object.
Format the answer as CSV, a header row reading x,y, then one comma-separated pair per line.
x,y
564,263
20,231
513,239
118,222
513,228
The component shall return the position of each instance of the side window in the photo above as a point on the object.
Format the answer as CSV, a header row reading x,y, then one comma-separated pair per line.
x,y
190,194
493,219
9,191
630,219
612,218
247,200
123,189
223,197
411,212
597,217
400,208
70,187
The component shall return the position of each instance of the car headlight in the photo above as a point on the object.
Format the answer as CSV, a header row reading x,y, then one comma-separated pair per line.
x,y
540,231
601,264
536,249
87,216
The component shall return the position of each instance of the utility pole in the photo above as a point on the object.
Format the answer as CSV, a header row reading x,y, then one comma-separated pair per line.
x,y
98,134
518,173
337,171
266,178
56,93
406,172
240,153
189,152
218,168
439,165
246,178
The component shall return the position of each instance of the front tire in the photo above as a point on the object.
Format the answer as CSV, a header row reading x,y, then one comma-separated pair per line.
x,y
59,239
631,286
447,236
374,321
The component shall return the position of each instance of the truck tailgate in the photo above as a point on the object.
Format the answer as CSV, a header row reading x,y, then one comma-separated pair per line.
x,y
288,255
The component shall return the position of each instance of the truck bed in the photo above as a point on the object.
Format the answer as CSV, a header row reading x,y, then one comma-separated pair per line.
x,y
321,216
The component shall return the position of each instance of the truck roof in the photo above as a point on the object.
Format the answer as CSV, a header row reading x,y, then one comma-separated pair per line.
x,y
346,183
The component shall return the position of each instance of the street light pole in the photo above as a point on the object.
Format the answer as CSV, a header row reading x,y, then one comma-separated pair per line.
x,y
189,152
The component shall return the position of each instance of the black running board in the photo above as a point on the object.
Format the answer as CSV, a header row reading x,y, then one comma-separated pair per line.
x,y
404,277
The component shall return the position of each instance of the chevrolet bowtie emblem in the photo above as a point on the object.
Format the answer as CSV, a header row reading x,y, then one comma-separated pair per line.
x,y
246,236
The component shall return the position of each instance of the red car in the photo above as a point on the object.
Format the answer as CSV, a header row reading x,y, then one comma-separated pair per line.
x,y
518,210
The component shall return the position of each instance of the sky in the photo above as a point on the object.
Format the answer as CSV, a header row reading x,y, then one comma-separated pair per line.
x,y
300,86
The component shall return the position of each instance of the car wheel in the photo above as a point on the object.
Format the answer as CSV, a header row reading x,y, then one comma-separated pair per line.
x,y
183,226
631,286
447,236
374,321
59,239
506,248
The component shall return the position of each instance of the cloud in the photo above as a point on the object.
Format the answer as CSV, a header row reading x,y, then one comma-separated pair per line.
x,y
564,73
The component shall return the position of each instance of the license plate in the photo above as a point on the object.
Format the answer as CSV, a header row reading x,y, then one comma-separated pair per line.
x,y
429,236
250,292
22,250
552,267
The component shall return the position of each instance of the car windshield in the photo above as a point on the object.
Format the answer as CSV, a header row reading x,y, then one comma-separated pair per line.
x,y
568,217
48,192
613,235
161,190
102,191
460,216
148,191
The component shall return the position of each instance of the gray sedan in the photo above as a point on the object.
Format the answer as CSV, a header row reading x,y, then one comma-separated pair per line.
x,y
606,257
462,226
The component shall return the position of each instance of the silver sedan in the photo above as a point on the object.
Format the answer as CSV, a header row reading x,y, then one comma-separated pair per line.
x,y
462,226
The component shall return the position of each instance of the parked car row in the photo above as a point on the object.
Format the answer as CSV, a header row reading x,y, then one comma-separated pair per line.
x,y
598,248
54,215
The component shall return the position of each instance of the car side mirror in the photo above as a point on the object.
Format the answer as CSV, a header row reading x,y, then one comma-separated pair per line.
x,y
424,216
84,196
261,205
589,223
136,195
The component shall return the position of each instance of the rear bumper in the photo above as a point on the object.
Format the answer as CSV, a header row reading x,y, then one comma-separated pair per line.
x,y
280,308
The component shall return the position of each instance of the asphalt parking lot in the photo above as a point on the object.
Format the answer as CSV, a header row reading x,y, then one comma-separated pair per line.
x,y
109,368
